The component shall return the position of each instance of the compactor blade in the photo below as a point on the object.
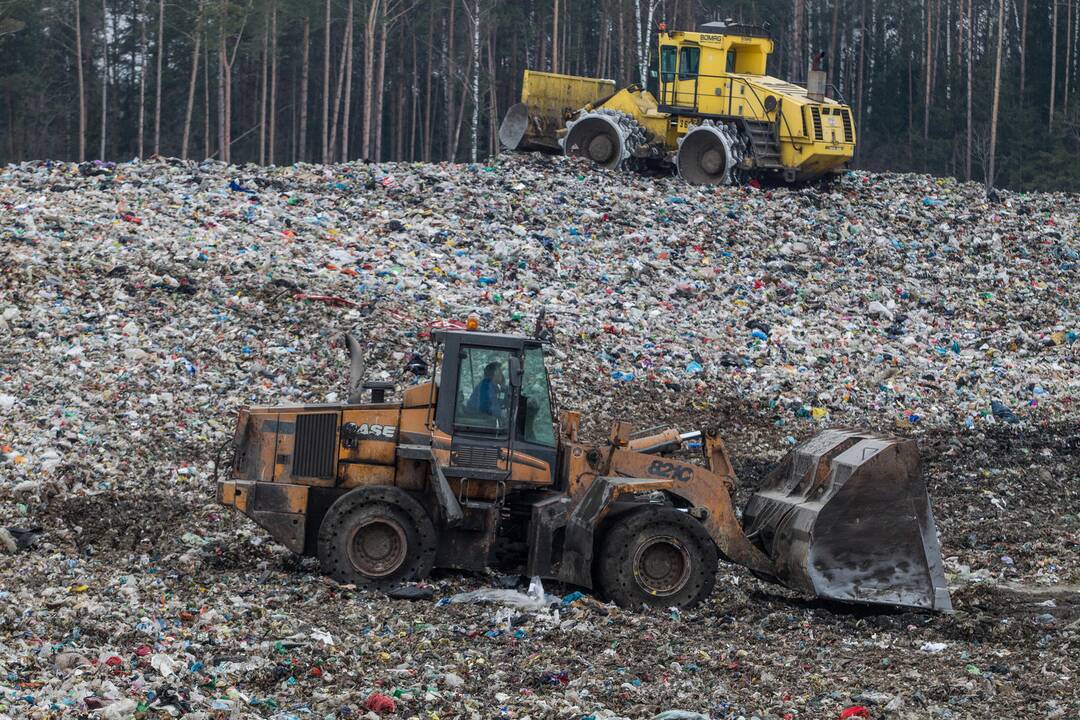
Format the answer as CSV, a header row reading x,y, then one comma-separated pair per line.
x,y
845,516
514,126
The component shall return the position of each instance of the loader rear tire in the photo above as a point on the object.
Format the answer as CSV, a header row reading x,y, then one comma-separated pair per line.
x,y
657,556
376,537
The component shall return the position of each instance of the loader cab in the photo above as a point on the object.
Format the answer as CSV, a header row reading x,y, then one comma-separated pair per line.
x,y
495,407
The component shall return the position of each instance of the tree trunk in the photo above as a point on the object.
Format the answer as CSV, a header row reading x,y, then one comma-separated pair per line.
x,y
223,143
860,87
554,39
1023,47
397,152
450,144
369,78
493,97
228,112
1053,60
380,86
264,87
82,81
970,53
104,75
227,62
304,67
910,105
206,99
647,48
640,41
797,70
273,82
621,70
928,69
142,79
414,94
339,85
326,90
833,60
426,153
160,55
474,137
601,45
997,95
191,84
348,89
1068,57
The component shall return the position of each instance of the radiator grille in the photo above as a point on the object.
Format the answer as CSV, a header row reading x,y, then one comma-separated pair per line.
x,y
849,133
815,116
476,457
316,444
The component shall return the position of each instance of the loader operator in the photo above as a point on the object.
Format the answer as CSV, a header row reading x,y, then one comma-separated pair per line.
x,y
485,398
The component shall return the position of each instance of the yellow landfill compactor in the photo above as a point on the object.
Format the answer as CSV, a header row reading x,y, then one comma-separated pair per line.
x,y
715,115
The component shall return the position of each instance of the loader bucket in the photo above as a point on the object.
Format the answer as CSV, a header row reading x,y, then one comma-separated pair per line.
x,y
845,516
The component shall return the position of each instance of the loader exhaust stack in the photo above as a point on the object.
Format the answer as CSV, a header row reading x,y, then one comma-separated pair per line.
x,y
845,516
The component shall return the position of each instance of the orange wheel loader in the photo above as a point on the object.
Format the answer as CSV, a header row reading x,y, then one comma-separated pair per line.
x,y
478,459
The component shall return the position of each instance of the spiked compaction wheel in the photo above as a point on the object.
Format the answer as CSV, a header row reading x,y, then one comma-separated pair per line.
x,y
607,137
709,153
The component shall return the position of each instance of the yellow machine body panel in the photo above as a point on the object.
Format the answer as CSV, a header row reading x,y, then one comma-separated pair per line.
x,y
553,94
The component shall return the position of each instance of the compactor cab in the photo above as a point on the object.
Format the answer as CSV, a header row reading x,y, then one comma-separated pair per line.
x,y
476,468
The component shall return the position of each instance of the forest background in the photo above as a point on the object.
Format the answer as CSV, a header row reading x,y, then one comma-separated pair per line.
x,y
282,81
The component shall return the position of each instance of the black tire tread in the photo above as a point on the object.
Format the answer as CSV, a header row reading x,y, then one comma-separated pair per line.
x,y
381,499
614,564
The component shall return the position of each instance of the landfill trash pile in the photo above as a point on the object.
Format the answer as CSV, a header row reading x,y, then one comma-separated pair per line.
x,y
141,304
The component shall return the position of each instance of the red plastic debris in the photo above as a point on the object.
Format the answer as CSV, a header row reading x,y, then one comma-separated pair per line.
x,y
328,299
142,651
855,711
377,702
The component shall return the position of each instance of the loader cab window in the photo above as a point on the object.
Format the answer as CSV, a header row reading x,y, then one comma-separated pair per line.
x,y
730,61
688,62
483,401
667,63
534,410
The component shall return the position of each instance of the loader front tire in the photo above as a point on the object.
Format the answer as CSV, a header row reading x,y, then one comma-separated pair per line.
x,y
376,537
656,556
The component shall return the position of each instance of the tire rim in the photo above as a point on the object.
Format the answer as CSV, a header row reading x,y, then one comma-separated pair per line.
x,y
378,547
662,565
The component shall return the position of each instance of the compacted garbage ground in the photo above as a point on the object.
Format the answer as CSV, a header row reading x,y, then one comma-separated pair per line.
x,y
141,304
